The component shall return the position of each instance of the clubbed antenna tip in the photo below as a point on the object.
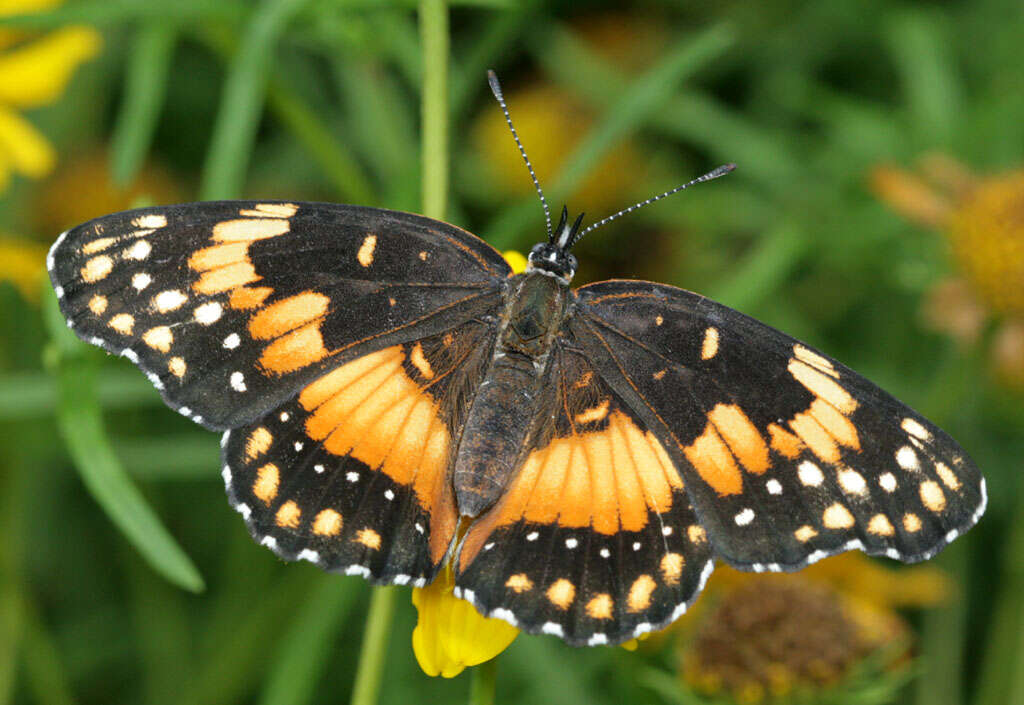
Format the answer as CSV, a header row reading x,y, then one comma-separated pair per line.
x,y
713,174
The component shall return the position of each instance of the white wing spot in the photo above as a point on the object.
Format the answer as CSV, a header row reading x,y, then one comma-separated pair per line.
x,y
232,341
636,545
745,517
284,416
852,481
169,300
140,280
139,251
906,458
571,543
318,469
887,481
208,313
352,476
810,474
237,381
298,445
552,628
389,495
605,553
666,531
532,536
773,486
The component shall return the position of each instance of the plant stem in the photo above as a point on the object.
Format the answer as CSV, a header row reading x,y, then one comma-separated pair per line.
x,y
434,40
374,648
483,683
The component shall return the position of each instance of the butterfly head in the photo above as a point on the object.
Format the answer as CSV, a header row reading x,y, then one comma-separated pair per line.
x,y
553,256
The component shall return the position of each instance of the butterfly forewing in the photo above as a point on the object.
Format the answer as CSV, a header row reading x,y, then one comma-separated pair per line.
x,y
788,455
230,307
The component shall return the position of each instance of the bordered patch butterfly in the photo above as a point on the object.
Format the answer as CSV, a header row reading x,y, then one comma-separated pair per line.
x,y
382,378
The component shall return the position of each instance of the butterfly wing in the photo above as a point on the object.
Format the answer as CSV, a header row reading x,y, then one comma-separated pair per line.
x,y
788,456
342,344
595,540
230,307
352,472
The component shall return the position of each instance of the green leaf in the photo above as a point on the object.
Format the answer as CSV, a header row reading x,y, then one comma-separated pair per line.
x,y
98,12
80,423
145,87
234,130
305,648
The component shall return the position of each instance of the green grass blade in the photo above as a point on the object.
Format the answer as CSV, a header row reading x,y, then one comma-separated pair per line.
x,y
145,87
241,104
642,99
80,423
920,51
306,647
100,12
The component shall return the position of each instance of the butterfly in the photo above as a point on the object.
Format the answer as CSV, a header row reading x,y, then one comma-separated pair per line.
x,y
392,397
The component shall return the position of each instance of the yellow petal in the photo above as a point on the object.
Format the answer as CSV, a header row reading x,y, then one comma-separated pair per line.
x,y
37,73
23,146
20,7
450,634
515,260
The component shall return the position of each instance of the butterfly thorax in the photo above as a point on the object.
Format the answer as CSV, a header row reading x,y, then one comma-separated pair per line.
x,y
505,410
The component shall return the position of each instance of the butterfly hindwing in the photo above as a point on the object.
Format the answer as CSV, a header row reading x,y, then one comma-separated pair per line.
x,y
788,455
352,473
595,539
231,306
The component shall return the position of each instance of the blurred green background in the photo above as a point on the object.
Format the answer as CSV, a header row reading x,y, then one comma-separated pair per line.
x,y
877,213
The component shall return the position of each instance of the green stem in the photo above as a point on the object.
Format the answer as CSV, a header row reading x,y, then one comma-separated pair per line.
x,y
434,35
483,684
374,648
434,39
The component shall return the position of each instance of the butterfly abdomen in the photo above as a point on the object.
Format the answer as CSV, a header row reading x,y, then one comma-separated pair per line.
x,y
508,403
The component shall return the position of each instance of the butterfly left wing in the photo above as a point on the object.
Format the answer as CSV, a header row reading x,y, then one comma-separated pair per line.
x,y
595,540
788,455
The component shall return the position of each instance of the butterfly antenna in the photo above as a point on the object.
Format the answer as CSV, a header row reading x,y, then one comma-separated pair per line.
x,y
713,174
492,79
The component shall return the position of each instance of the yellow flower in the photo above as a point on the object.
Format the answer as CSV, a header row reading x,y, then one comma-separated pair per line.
x,y
983,219
21,263
450,634
515,260
32,74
